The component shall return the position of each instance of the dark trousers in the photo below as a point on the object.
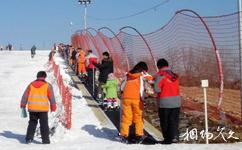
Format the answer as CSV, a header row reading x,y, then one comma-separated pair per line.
x,y
169,123
100,94
90,78
44,127
90,75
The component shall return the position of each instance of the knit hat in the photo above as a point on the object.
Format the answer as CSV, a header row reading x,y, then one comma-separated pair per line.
x,y
41,74
162,63
106,54
111,76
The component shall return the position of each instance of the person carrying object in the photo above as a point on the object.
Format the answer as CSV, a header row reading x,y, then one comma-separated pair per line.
x,y
39,98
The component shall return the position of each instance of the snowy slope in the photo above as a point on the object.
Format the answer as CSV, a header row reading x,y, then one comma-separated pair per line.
x,y
17,71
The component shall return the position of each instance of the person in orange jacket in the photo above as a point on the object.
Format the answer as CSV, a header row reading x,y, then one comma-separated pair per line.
x,y
167,88
132,104
39,96
81,62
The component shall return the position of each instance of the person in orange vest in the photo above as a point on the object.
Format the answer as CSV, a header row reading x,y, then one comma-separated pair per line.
x,y
167,88
132,102
39,96
81,62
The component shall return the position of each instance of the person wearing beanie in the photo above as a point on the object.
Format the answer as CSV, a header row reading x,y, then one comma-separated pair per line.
x,y
167,88
111,92
39,96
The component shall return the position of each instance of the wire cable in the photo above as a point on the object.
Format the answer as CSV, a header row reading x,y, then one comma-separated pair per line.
x,y
131,15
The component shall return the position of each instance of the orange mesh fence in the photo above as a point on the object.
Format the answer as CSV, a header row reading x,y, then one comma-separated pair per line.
x,y
196,47
65,95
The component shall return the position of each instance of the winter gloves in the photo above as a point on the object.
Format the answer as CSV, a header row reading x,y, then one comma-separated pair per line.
x,y
22,105
53,107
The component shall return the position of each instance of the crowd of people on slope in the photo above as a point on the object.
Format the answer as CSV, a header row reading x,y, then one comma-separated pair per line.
x,y
85,63
165,83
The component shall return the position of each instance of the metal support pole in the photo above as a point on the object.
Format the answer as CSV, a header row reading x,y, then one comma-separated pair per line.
x,y
71,24
85,3
240,50
93,80
85,17
204,84
206,113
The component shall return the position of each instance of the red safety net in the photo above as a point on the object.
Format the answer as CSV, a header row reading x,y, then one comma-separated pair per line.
x,y
196,48
65,95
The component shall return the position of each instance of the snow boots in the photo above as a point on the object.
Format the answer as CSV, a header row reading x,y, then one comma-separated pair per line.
x,y
110,104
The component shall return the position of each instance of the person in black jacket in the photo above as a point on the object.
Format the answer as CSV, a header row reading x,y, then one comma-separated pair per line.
x,y
73,58
105,68
33,49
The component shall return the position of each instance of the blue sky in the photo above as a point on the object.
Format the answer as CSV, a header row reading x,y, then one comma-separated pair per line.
x,y
43,22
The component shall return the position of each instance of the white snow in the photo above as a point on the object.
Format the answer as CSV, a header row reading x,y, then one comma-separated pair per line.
x,y
17,71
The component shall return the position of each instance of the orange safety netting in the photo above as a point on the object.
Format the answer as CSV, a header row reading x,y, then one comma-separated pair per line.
x,y
66,96
196,47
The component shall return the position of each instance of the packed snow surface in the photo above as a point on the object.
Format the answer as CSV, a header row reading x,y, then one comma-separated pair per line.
x,y
18,69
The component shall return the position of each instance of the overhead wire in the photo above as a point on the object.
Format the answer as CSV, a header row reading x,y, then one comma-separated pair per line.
x,y
131,15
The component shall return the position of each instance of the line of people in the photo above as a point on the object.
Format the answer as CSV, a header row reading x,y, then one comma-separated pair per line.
x,y
86,64
165,83
133,89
